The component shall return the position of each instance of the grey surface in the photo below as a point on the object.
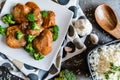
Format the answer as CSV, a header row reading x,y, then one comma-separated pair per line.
x,y
78,64
115,4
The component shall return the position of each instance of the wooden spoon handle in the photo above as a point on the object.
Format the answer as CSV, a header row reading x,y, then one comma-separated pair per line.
x,y
116,32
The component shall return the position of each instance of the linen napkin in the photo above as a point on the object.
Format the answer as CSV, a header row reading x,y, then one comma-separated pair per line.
x,y
10,68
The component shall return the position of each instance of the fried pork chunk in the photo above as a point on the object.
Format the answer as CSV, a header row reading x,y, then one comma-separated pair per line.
x,y
35,10
11,38
34,32
43,43
19,12
49,20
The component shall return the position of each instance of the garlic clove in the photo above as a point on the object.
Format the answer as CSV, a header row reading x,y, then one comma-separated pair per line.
x,y
83,27
94,38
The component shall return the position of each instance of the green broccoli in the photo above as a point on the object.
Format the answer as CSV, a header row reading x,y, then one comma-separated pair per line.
x,y
55,32
34,26
37,56
66,75
30,38
118,77
30,17
29,48
44,13
8,19
19,35
3,30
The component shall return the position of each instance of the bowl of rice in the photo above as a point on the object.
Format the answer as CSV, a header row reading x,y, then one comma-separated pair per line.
x,y
104,61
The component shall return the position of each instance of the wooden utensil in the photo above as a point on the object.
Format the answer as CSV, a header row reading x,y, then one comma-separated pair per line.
x,y
108,20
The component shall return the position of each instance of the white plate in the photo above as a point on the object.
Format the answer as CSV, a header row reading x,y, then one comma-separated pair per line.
x,y
63,18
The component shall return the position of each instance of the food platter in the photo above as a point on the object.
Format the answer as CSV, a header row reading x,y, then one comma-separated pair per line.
x,y
63,18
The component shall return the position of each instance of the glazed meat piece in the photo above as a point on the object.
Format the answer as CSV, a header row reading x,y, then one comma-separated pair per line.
x,y
49,20
34,32
35,10
23,26
19,12
43,43
11,38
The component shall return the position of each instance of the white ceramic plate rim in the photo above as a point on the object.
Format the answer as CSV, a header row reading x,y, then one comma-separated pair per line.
x,y
63,18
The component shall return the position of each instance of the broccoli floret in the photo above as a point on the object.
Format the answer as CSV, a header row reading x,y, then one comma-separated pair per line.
x,y
8,19
19,35
30,38
66,75
30,17
34,26
3,30
29,48
55,32
44,13
37,56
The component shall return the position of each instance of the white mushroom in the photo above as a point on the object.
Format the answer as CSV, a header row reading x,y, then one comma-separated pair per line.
x,y
94,38
83,27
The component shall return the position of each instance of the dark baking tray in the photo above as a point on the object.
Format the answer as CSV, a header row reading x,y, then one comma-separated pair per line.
x,y
88,56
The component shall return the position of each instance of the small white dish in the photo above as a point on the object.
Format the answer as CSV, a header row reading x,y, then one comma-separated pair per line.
x,y
63,18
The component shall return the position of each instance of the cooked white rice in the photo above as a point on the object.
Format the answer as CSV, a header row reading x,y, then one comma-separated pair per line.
x,y
100,62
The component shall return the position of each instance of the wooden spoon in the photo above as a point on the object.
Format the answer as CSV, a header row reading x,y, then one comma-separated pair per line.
x,y
108,20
